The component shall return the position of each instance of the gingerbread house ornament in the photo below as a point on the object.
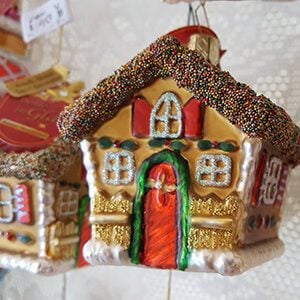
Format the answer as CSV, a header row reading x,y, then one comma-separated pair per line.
x,y
42,188
186,167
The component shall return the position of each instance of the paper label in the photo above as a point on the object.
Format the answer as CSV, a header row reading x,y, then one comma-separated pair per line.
x,y
45,18
37,83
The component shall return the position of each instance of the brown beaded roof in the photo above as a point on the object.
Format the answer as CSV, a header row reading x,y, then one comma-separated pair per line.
x,y
48,164
253,114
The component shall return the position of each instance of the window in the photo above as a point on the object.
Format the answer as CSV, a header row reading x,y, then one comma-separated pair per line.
x,y
6,204
166,117
118,168
269,187
213,170
68,203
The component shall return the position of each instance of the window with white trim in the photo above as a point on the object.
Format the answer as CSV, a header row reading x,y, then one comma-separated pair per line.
x,y
166,117
269,187
6,204
68,203
213,170
118,168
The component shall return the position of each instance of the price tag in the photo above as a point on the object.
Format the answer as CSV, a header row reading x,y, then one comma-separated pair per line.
x,y
45,18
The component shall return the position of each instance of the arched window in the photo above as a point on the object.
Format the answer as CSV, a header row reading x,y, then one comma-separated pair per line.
x,y
166,117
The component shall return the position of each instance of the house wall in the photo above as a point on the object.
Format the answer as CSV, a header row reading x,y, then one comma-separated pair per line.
x,y
262,219
215,128
111,204
15,226
61,232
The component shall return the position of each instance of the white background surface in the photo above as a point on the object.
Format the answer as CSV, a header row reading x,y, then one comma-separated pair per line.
x,y
263,43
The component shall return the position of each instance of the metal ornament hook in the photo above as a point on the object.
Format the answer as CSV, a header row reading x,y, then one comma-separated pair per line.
x,y
191,15
202,4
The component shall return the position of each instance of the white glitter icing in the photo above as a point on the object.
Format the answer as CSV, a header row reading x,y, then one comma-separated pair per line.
x,y
90,166
92,176
208,165
167,99
45,214
121,167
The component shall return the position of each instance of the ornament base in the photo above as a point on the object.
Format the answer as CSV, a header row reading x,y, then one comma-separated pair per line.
x,y
234,262
37,265
225,261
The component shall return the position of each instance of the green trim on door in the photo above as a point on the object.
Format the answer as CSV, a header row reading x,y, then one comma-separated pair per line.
x,y
183,183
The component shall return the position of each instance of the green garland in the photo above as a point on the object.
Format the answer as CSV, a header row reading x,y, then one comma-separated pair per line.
x,y
183,183
83,206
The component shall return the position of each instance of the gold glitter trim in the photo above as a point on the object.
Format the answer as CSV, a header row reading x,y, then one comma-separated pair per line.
x,y
200,238
210,222
109,218
212,206
118,203
113,234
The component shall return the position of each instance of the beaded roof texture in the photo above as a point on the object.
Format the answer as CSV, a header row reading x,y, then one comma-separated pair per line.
x,y
253,114
48,164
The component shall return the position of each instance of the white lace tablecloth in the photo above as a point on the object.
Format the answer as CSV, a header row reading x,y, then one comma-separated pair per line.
x,y
263,43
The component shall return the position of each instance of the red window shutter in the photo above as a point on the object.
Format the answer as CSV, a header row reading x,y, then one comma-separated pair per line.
x,y
259,176
141,111
192,118
23,205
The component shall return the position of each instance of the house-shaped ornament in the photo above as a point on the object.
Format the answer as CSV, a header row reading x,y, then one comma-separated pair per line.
x,y
42,187
186,167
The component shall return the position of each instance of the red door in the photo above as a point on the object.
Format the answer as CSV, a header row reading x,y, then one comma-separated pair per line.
x,y
160,219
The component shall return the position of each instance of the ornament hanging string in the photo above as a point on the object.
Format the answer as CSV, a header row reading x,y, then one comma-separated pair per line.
x,y
191,15
59,45
202,4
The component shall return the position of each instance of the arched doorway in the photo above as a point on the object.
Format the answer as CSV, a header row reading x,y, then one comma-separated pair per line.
x,y
160,212
161,232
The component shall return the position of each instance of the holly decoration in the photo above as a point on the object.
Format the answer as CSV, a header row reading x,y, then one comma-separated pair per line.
x,y
225,146
129,145
156,143
159,143
177,145
106,143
